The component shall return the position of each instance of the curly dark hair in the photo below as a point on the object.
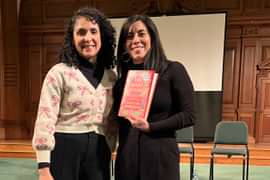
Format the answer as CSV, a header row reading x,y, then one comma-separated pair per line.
x,y
105,56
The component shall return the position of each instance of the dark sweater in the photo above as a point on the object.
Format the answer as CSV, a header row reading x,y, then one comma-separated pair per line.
x,y
92,72
143,154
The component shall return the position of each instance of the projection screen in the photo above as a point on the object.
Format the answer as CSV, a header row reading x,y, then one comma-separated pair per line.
x,y
197,41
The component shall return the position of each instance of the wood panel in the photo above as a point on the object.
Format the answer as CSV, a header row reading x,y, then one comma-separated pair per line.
x,y
118,7
266,7
31,53
253,7
263,98
233,7
12,122
231,73
52,44
239,7
247,89
38,12
41,54
2,129
255,49
1,58
248,74
263,108
35,80
265,49
234,31
189,5
49,11
231,78
57,11
221,5
249,117
31,12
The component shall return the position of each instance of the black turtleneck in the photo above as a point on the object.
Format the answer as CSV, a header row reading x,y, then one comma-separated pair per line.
x,y
133,66
92,72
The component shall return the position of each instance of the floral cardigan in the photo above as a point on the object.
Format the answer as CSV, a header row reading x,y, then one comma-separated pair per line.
x,y
70,104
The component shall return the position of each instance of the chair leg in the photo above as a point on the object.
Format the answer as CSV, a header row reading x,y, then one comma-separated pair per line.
x,y
112,161
179,163
247,166
193,161
211,177
191,167
244,170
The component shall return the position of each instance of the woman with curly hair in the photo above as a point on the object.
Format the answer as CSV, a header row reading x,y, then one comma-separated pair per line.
x,y
76,97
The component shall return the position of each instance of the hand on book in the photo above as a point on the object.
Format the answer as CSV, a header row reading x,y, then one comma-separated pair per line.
x,y
139,123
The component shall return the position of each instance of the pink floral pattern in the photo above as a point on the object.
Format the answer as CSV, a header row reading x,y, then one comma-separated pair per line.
x,y
83,118
41,143
55,100
50,128
71,75
74,105
50,80
82,89
44,111
67,101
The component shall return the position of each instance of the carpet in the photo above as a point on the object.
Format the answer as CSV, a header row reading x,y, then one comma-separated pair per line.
x,y
26,169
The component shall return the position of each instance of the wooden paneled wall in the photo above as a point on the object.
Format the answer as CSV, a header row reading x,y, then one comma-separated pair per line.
x,y
2,129
41,26
11,122
263,101
247,45
41,52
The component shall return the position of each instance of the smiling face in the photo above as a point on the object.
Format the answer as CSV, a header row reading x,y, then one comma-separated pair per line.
x,y
138,42
87,38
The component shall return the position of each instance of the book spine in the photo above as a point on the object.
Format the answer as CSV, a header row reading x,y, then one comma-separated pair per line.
x,y
148,99
151,94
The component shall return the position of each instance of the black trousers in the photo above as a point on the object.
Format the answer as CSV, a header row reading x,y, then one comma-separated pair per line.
x,y
83,156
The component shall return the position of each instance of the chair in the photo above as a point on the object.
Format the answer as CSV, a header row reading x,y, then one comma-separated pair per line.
x,y
185,136
231,139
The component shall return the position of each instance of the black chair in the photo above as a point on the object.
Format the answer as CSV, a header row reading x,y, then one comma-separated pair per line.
x,y
231,139
185,139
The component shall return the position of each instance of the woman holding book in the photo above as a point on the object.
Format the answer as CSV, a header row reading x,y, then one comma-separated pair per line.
x,y
75,100
147,149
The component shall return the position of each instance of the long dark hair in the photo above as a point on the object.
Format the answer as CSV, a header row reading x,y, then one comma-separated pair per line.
x,y
155,58
105,56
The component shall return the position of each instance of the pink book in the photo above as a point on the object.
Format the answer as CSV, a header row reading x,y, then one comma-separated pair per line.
x,y
138,93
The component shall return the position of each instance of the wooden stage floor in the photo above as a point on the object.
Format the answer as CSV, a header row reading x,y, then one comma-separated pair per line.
x,y
259,154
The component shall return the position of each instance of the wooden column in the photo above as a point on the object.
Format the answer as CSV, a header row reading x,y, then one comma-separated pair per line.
x,y
2,130
263,103
11,122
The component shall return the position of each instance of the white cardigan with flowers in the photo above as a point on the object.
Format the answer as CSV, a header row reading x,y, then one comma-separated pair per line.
x,y
70,104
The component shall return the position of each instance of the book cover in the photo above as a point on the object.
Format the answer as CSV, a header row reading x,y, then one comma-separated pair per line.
x,y
138,93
